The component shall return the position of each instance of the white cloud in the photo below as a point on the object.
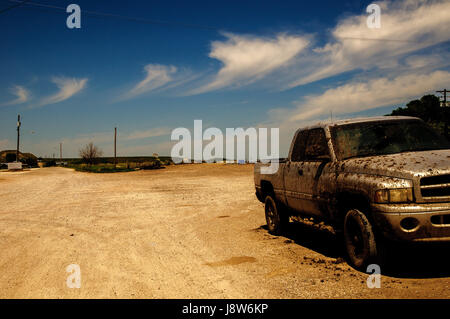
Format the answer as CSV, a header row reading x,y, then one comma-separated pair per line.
x,y
248,58
68,87
157,76
103,137
21,93
426,61
353,97
364,95
406,26
104,140
158,131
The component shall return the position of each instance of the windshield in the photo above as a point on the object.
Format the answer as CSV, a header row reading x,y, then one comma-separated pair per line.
x,y
380,138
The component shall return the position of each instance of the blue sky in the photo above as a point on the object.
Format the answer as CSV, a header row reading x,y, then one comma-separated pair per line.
x,y
245,63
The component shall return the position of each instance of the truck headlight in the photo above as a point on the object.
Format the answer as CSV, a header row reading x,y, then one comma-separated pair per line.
x,y
397,195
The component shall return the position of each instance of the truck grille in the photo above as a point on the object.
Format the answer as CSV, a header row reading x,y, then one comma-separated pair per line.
x,y
440,219
435,186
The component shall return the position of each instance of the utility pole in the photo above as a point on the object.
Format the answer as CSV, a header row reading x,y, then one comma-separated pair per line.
x,y
60,152
115,147
18,137
446,112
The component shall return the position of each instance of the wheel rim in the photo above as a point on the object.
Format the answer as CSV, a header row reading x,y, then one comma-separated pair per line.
x,y
356,238
270,216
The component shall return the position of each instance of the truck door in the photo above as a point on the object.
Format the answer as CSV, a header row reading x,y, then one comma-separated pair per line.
x,y
316,161
291,173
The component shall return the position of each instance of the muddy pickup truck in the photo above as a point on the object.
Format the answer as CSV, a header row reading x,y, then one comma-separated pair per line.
x,y
373,180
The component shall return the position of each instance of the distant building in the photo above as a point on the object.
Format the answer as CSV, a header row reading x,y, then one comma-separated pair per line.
x,y
9,156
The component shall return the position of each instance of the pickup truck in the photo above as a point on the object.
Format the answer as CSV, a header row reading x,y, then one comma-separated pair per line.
x,y
373,180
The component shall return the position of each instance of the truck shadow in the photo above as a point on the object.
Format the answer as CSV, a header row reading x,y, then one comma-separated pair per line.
x,y
320,241
428,260
404,261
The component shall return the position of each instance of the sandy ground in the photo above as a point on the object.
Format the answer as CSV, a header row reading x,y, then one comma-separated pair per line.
x,y
192,231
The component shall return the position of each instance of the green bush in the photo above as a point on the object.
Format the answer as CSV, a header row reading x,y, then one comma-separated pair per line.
x,y
106,168
155,164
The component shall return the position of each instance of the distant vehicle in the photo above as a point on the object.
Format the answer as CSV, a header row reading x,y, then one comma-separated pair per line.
x,y
372,179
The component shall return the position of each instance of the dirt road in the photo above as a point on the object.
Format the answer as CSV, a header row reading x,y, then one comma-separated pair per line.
x,y
191,231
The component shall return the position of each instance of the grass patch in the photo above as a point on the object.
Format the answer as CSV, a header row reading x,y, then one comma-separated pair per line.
x,y
100,168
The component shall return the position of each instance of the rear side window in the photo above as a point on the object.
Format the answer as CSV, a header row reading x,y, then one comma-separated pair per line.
x,y
316,146
298,151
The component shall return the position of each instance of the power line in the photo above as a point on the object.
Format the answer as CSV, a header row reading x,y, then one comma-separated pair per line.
x,y
14,6
116,16
177,24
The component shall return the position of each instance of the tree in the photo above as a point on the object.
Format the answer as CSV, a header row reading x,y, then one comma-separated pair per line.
x,y
429,109
90,153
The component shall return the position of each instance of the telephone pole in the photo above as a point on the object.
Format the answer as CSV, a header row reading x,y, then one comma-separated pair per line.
x,y
18,137
115,147
446,112
60,152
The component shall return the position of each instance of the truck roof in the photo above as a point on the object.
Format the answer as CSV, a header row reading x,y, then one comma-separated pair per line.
x,y
326,124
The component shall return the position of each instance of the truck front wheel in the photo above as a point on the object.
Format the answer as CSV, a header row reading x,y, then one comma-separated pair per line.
x,y
359,239
276,219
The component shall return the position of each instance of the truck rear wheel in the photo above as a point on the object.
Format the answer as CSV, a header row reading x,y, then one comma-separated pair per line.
x,y
359,239
276,219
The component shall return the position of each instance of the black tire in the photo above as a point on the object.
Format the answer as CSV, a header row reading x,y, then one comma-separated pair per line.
x,y
276,219
359,239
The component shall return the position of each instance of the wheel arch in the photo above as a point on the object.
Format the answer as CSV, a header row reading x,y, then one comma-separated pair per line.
x,y
346,200
267,189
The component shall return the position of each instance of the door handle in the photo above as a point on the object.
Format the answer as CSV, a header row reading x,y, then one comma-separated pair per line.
x,y
300,172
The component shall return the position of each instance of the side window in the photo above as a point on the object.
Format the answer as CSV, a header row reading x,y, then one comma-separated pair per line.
x,y
298,151
316,146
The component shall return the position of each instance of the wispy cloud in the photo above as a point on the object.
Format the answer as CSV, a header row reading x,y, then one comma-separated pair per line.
x,y
156,77
406,26
161,148
354,97
360,96
247,59
395,64
68,87
21,93
126,142
102,137
158,131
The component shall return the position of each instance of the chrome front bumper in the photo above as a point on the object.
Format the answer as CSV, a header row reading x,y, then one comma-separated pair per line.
x,y
413,222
